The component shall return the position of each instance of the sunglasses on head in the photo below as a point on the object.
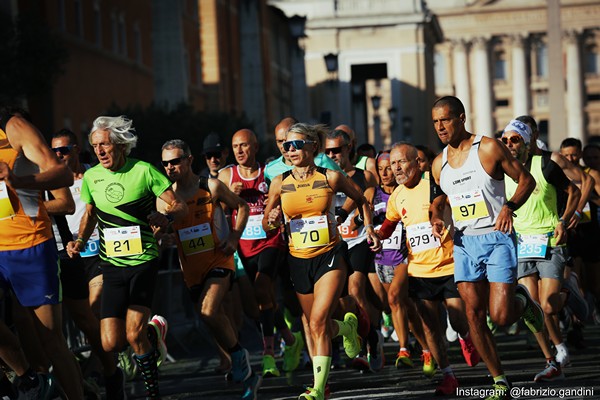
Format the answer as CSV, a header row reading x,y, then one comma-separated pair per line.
x,y
175,161
512,139
210,155
334,150
297,144
63,149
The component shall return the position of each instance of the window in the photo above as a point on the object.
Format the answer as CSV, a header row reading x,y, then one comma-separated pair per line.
x,y
78,19
500,65
137,42
114,29
502,103
592,60
541,60
62,25
198,69
97,25
122,35
439,69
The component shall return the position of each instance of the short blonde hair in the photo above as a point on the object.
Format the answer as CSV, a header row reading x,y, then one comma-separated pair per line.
x,y
315,133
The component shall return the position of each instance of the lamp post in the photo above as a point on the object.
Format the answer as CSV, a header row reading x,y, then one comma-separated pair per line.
x,y
376,103
331,63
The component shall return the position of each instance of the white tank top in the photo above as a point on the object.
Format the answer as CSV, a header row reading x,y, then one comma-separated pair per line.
x,y
475,197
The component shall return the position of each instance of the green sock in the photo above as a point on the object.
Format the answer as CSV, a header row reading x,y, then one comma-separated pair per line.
x,y
321,366
344,328
500,378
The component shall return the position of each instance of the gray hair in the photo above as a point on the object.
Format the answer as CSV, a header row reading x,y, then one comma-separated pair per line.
x,y
412,152
177,144
315,133
120,131
339,133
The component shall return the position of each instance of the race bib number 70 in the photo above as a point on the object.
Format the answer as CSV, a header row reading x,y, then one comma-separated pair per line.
x,y
310,232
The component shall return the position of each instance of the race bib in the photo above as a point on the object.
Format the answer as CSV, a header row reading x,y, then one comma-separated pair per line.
x,y
124,241
6,208
310,232
586,214
254,229
347,232
532,246
468,206
196,239
92,246
420,237
394,242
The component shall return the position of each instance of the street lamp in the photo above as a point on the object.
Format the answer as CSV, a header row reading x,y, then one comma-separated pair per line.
x,y
297,24
331,63
376,102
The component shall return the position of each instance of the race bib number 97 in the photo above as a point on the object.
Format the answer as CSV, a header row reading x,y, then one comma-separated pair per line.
x,y
309,232
468,206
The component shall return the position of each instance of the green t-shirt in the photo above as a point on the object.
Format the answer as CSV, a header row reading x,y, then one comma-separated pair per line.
x,y
278,166
124,199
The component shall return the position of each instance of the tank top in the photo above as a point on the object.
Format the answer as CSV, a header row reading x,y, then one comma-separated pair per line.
x,y
394,249
254,190
357,236
475,197
309,214
24,222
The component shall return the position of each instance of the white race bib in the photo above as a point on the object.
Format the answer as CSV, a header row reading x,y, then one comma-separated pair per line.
x,y
254,229
421,238
532,246
124,241
6,208
468,206
394,242
92,246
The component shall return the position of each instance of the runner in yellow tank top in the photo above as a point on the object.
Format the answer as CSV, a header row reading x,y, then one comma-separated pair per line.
x,y
318,258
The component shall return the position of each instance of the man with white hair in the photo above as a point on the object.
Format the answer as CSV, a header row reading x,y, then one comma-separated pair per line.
x,y
120,194
542,236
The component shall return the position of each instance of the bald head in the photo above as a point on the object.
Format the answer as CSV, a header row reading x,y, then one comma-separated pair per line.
x,y
280,132
245,147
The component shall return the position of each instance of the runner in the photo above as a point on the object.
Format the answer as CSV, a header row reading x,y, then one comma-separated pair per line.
x,y
120,193
318,258
206,246
471,172
541,234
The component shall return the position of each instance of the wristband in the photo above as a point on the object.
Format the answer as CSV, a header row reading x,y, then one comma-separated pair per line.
x,y
511,205
80,240
562,221
578,214
369,226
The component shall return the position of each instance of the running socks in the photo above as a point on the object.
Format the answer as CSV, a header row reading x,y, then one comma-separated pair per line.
x,y
321,366
345,328
267,322
147,366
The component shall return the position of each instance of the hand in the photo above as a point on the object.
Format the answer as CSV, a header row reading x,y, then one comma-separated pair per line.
x,y
157,221
504,222
560,233
236,187
229,246
574,221
373,239
74,247
274,217
437,228
7,175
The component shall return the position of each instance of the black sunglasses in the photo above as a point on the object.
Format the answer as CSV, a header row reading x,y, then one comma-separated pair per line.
x,y
175,161
334,150
512,139
216,154
63,149
297,144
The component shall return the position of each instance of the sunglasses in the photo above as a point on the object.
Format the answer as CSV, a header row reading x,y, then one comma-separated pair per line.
x,y
512,139
297,144
212,155
334,150
63,149
175,161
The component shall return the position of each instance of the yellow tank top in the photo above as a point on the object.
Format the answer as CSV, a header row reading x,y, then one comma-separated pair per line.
x,y
309,214
25,222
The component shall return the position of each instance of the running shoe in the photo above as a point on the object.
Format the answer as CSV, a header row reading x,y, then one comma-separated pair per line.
x,y
562,356
552,372
326,394
500,391
377,355
352,342
269,366
429,365
361,363
44,390
240,365
127,364
292,353
115,385
451,334
160,325
403,360
469,351
532,314
387,328
491,324
312,394
251,386
448,386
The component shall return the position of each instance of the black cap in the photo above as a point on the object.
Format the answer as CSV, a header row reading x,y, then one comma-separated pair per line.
x,y
212,143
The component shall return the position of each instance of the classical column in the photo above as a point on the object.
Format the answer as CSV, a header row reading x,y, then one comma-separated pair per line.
x,y
575,126
483,92
462,89
519,77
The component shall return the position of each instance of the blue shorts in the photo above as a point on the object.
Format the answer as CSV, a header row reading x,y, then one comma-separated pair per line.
x,y
33,274
492,256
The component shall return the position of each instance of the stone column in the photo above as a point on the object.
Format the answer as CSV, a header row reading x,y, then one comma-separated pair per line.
x,y
519,77
483,92
575,125
462,88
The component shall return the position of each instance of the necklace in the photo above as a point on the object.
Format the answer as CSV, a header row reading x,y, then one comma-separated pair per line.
x,y
303,175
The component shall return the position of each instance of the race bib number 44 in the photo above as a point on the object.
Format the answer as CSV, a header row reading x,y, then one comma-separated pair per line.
x,y
310,232
420,237
6,208
122,242
196,239
468,206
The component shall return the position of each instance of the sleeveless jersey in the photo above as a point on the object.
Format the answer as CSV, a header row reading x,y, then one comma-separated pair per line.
x,y
124,199
199,236
309,214
24,222
357,236
394,249
411,207
539,214
254,190
475,197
